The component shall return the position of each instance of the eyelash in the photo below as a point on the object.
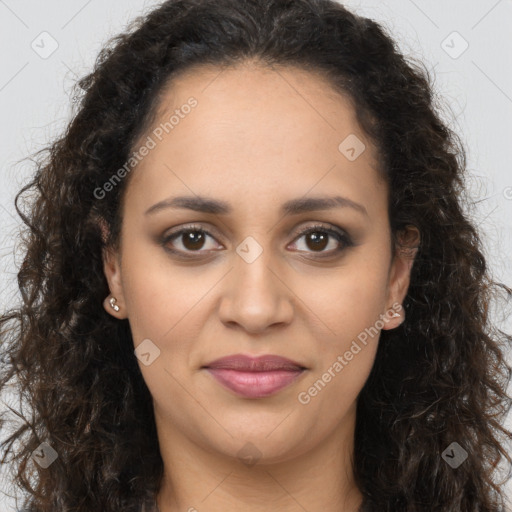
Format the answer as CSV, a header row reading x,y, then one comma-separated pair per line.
x,y
340,236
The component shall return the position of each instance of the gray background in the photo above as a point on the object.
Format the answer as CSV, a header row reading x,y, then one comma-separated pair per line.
x,y
474,88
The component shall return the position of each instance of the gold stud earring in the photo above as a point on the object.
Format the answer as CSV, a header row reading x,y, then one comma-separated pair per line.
x,y
113,304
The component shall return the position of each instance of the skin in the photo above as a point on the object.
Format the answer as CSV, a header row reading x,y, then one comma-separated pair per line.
x,y
257,138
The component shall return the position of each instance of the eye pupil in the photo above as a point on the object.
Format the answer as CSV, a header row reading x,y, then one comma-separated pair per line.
x,y
316,237
190,238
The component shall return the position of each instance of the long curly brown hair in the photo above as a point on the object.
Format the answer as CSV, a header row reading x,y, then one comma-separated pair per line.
x,y
441,377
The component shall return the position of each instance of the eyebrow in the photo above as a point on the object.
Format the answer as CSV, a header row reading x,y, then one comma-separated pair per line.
x,y
291,207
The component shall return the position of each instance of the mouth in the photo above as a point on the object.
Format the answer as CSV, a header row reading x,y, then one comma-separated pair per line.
x,y
255,377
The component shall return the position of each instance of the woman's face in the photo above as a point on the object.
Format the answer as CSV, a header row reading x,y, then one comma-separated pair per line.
x,y
255,140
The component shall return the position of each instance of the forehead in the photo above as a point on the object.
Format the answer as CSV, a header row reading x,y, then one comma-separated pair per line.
x,y
255,128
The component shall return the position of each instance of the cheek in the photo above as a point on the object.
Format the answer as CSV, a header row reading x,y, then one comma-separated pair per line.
x,y
332,392
347,301
346,348
163,306
349,304
159,298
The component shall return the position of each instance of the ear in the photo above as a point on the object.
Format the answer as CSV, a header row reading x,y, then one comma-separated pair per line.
x,y
400,274
112,271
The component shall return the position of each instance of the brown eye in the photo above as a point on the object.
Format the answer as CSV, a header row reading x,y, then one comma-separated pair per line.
x,y
193,240
317,239
187,240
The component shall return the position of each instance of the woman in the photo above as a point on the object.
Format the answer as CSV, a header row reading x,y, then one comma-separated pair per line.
x,y
249,281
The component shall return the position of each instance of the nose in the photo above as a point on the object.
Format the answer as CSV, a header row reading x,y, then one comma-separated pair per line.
x,y
255,295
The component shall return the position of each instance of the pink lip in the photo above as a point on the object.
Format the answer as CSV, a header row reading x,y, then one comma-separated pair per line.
x,y
253,377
